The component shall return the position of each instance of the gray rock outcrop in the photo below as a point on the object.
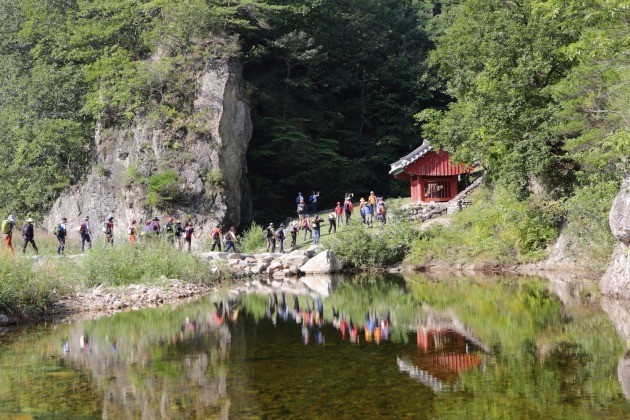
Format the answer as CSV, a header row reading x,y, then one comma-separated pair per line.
x,y
616,280
207,156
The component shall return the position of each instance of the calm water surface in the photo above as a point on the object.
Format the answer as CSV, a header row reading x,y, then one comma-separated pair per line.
x,y
376,347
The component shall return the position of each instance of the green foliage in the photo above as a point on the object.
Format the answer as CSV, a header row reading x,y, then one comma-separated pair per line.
x,y
122,265
588,227
27,289
253,239
498,63
496,228
163,189
360,247
333,89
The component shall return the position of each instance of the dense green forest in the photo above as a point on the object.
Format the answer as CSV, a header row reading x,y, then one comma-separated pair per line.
x,y
536,92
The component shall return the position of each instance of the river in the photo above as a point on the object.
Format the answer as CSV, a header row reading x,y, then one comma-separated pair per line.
x,y
375,346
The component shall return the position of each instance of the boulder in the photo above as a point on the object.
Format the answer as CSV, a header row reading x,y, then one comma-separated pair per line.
x,y
297,258
313,250
323,263
616,280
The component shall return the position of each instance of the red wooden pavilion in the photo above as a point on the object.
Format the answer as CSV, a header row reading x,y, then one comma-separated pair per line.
x,y
432,175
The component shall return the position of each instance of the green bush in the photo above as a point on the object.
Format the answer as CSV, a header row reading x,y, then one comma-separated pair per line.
x,y
497,228
163,189
124,264
360,247
253,239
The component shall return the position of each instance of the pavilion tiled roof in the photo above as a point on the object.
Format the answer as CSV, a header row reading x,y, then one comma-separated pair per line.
x,y
398,166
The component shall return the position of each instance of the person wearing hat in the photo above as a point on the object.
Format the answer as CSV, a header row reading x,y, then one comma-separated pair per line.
x,y
372,201
86,233
108,229
216,237
28,234
7,231
271,240
230,239
61,231
280,235
362,203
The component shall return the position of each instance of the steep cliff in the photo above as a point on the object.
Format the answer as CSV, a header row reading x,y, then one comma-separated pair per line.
x,y
616,280
195,172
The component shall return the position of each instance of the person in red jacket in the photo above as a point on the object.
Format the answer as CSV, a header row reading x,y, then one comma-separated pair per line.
x,y
339,213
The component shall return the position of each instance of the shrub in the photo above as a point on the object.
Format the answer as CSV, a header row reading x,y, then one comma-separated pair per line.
x,y
163,190
253,239
496,228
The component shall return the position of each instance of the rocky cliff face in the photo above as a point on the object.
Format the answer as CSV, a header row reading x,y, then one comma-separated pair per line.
x,y
204,162
616,281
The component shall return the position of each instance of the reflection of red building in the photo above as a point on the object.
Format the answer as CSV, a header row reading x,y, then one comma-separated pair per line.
x,y
431,174
443,354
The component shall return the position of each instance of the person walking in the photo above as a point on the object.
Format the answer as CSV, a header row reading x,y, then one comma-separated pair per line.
x,y
366,213
271,240
155,227
299,199
169,231
332,222
86,233
339,213
372,201
179,234
216,238
28,234
7,230
348,208
61,231
189,232
301,209
306,226
230,240
133,232
317,225
295,227
108,229
362,203
280,235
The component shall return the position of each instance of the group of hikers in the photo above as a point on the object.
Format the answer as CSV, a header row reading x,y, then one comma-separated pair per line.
x,y
312,225
174,231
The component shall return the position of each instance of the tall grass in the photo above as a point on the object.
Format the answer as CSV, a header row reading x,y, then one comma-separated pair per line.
x,y
28,287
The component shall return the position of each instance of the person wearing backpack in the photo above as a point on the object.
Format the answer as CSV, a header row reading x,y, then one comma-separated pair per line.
x,y
108,230
230,240
366,213
61,231
169,230
216,238
347,208
28,234
189,232
271,241
280,235
179,234
301,208
317,225
133,232
7,231
295,227
155,227
86,233
306,226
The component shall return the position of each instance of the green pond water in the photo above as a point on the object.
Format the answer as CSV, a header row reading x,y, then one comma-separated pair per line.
x,y
376,347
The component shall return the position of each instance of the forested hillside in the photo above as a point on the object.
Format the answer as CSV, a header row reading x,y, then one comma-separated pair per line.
x,y
536,92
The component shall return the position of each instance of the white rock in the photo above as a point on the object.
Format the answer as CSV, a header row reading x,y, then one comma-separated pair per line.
x,y
323,263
